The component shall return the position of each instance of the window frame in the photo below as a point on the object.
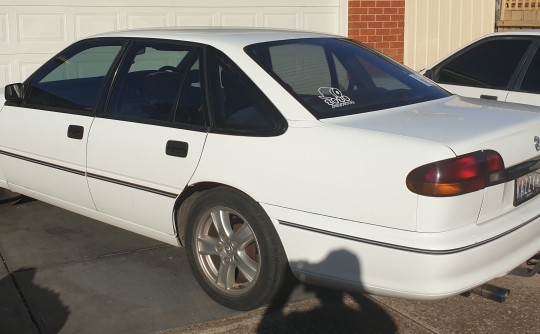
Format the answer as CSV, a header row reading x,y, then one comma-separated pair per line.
x,y
201,49
27,85
249,51
535,51
512,82
215,57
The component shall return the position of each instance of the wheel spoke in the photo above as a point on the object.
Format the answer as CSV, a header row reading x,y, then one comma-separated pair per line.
x,y
226,275
247,266
207,245
222,223
243,237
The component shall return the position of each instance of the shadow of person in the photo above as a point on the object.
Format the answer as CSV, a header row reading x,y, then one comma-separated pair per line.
x,y
333,311
29,305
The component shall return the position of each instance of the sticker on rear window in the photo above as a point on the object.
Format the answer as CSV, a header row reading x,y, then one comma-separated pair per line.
x,y
334,97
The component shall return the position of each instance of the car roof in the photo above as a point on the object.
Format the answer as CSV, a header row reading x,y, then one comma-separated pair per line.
x,y
515,33
217,36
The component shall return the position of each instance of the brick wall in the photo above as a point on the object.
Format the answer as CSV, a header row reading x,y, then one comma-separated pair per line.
x,y
379,24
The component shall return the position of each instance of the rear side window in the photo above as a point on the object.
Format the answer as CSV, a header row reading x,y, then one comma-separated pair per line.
x,y
489,64
335,77
73,79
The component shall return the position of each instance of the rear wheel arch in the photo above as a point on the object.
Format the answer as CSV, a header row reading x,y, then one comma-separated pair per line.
x,y
187,198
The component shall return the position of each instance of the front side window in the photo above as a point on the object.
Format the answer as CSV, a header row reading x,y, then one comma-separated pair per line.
x,y
335,77
531,81
159,82
490,64
73,79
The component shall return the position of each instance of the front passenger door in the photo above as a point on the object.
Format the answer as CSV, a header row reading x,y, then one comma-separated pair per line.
x,y
145,147
43,139
486,69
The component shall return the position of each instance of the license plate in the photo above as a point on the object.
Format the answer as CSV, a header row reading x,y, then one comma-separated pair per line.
x,y
526,187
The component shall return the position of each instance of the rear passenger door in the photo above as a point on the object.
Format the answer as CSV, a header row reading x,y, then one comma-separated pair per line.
x,y
145,146
487,69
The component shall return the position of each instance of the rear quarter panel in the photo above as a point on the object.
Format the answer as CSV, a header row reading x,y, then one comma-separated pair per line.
x,y
334,171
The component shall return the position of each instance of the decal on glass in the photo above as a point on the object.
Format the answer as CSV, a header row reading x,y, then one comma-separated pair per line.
x,y
334,97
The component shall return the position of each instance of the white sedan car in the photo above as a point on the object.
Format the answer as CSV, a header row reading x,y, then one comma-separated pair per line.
x,y
503,66
265,151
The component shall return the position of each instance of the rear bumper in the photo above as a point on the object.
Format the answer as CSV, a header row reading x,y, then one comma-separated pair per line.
x,y
417,265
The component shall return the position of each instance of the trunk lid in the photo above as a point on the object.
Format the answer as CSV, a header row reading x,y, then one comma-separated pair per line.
x,y
463,124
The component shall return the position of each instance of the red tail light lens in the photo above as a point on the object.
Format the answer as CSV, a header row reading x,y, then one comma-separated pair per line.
x,y
457,176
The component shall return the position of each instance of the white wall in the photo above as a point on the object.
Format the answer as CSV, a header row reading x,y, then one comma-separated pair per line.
x,y
31,31
434,28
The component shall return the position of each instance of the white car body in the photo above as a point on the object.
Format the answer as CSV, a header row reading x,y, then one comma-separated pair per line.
x,y
512,93
334,188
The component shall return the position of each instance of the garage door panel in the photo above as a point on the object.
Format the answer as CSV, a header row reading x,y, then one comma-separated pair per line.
x,y
34,30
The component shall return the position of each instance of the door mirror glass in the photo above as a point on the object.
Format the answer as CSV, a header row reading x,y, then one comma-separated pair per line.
x,y
13,92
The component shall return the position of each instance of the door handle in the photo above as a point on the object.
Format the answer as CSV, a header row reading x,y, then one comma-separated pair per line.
x,y
177,148
75,132
488,97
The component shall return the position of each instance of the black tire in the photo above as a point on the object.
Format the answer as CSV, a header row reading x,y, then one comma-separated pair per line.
x,y
243,265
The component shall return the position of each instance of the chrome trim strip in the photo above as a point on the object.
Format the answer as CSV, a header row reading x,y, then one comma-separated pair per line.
x,y
94,176
43,163
406,248
132,185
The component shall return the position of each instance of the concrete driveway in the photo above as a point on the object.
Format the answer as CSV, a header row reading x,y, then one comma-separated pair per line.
x,y
63,273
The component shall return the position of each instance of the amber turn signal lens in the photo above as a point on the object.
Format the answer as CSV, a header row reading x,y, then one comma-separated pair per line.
x,y
457,176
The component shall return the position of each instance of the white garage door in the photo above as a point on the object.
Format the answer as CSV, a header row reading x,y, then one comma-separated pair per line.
x,y
31,31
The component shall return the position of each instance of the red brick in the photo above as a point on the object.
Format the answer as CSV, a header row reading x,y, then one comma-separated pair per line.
x,y
364,3
390,38
388,24
399,3
357,10
354,3
390,10
398,17
383,3
353,32
354,18
382,45
401,10
358,25
367,17
375,39
396,31
382,32
389,52
396,45
401,24
400,38
367,32
375,10
375,24
382,18
362,39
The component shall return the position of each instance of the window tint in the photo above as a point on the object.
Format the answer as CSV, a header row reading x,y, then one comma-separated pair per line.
x,y
489,64
334,77
159,82
531,82
238,105
73,79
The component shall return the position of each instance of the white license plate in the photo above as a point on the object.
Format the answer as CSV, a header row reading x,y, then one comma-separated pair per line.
x,y
526,187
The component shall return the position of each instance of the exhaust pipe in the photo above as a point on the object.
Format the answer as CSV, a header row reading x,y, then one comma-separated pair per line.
x,y
492,292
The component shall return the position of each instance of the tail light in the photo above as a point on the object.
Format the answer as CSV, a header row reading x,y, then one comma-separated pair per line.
x,y
457,176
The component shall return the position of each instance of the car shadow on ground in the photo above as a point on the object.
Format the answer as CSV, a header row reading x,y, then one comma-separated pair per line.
x,y
23,294
335,311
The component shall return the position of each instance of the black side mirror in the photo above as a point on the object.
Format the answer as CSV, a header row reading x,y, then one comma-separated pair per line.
x,y
429,74
14,92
